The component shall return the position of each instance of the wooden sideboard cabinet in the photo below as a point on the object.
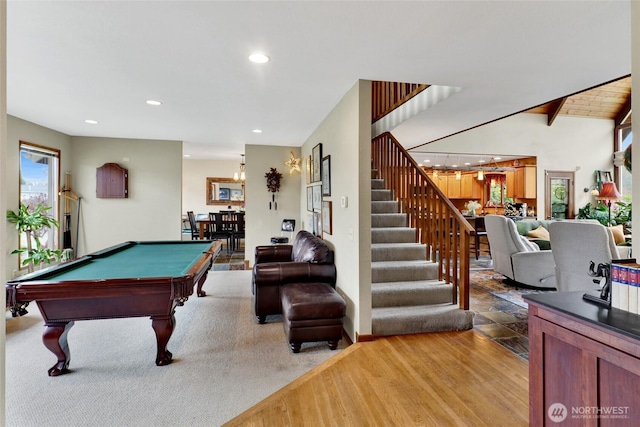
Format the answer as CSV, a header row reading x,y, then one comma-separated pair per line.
x,y
584,362
112,181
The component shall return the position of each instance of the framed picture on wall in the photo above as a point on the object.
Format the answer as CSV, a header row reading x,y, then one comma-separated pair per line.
x,y
327,217
310,199
317,224
316,158
308,169
317,197
224,194
326,176
236,194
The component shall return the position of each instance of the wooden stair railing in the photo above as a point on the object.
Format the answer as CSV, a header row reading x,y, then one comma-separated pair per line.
x,y
387,96
439,225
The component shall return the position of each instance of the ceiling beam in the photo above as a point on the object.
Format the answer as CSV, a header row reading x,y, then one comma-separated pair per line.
x,y
624,112
554,109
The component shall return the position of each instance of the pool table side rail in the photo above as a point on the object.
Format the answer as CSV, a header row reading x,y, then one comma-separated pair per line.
x,y
23,289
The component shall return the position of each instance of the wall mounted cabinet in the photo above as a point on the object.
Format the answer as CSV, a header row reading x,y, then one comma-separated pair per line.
x,y
112,181
453,187
521,183
470,187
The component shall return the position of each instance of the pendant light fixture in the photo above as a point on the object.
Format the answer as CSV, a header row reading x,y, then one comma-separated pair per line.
x,y
240,176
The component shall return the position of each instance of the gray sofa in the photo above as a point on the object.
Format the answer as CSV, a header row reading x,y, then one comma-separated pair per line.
x,y
527,225
515,257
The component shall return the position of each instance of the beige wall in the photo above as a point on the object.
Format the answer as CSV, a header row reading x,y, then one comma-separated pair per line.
x,y
194,179
345,135
22,130
575,144
153,209
261,222
3,184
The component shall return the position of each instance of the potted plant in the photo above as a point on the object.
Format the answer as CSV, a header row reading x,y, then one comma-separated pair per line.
x,y
33,224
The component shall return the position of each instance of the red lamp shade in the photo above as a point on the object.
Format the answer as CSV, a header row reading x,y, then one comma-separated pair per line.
x,y
609,191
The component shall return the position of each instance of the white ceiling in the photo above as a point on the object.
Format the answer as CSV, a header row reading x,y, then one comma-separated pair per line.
x,y
77,60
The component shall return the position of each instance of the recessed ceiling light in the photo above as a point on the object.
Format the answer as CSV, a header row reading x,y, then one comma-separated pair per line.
x,y
437,166
467,163
187,155
91,122
258,58
428,161
152,102
481,161
257,131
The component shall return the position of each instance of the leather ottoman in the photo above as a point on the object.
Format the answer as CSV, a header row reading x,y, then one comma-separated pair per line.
x,y
312,312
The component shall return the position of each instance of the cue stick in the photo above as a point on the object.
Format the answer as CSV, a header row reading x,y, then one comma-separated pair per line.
x,y
69,195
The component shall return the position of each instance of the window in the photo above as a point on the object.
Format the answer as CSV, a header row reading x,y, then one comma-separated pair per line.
x,y
623,139
496,187
39,183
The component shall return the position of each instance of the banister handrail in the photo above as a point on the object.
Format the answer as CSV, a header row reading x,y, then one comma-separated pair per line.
x,y
387,96
438,223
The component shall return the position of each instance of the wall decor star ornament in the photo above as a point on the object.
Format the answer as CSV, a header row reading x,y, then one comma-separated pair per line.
x,y
293,164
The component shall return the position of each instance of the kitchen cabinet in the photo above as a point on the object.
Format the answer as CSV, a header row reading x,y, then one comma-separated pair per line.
x,y
521,183
441,182
470,187
453,187
511,184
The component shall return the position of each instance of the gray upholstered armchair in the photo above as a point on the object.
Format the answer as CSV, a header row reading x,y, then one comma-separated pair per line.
x,y
515,257
574,245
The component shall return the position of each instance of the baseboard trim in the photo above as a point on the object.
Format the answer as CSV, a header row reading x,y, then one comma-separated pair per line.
x,y
364,338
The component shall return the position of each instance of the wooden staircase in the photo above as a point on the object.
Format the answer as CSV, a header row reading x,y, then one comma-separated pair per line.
x,y
407,295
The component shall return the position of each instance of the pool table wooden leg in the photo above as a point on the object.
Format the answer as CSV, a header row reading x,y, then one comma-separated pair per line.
x,y
55,339
163,326
202,293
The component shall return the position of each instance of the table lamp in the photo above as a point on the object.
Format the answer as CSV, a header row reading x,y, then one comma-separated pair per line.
x,y
609,192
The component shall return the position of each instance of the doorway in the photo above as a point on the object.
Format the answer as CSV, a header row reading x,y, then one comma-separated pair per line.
x,y
559,194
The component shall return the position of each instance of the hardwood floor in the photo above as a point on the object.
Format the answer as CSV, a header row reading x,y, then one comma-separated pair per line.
x,y
438,379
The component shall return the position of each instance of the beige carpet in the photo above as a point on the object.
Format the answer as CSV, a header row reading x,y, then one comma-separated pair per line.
x,y
224,363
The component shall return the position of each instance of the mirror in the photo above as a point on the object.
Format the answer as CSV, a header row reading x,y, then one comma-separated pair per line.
x,y
225,191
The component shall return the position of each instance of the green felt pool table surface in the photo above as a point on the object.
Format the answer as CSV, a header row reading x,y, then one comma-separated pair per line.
x,y
142,259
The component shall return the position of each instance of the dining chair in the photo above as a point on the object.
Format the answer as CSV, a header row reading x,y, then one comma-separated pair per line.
x,y
480,236
217,229
195,232
238,233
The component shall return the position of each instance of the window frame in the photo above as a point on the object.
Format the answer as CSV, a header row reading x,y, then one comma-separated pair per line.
x,y
617,147
53,188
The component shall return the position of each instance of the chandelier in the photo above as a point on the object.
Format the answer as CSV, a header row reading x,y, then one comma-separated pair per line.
x,y
241,176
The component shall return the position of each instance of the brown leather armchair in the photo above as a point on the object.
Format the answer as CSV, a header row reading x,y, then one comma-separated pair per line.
x,y
307,260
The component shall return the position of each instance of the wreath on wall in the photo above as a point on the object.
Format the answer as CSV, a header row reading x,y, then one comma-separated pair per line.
x,y
273,180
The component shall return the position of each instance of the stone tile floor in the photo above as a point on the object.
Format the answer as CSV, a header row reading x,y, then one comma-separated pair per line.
x,y
504,322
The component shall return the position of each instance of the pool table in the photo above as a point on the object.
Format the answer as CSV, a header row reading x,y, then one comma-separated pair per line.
x,y
132,279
